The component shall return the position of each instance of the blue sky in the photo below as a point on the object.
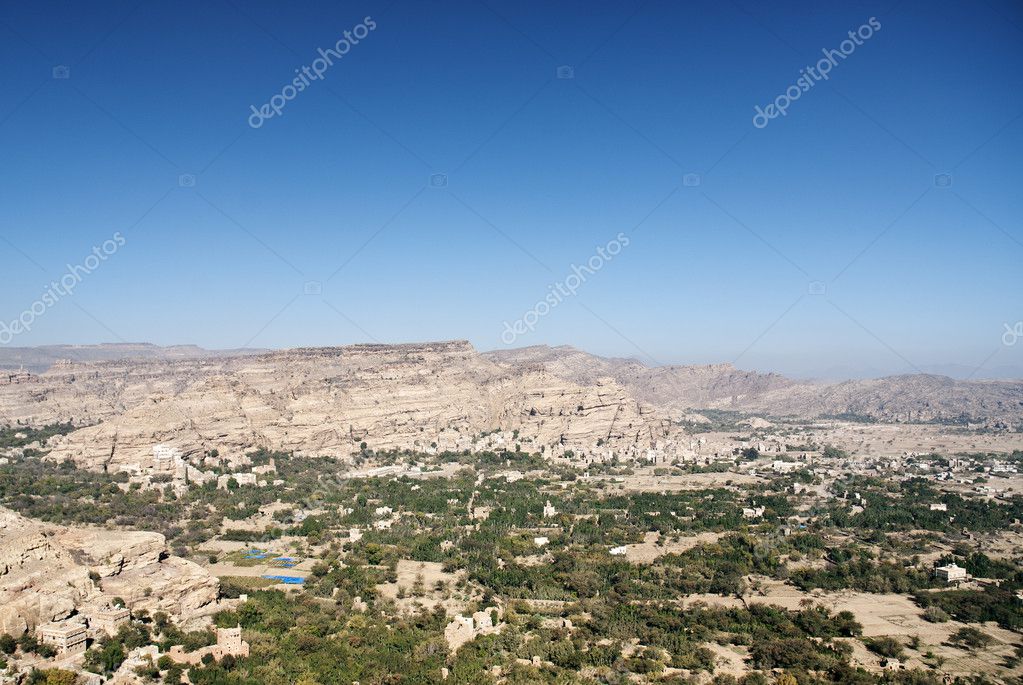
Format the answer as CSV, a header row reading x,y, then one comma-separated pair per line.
x,y
537,172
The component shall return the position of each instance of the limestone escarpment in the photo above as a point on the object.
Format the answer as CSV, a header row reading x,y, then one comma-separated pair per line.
x,y
330,400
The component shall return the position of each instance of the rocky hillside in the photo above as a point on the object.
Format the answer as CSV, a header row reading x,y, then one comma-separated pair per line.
x,y
49,572
668,387
328,401
919,397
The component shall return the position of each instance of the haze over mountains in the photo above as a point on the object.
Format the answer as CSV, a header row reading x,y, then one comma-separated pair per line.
x,y
39,359
442,395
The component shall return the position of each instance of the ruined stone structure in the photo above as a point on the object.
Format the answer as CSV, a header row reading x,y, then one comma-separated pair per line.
x,y
229,642
463,629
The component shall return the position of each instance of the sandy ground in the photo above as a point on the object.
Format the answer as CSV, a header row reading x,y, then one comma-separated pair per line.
x,y
647,551
893,439
728,658
223,546
431,572
644,480
1006,544
446,470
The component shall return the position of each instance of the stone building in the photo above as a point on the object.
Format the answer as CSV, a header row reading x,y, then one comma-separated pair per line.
x,y
108,619
752,512
67,637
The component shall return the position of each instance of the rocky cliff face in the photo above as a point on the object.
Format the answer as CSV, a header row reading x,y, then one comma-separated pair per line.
x,y
47,571
328,401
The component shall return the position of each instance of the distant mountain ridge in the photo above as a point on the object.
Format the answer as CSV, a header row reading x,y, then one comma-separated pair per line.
x,y
914,397
39,359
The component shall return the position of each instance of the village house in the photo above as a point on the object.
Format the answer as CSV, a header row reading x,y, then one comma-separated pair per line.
x,y
108,619
951,573
67,637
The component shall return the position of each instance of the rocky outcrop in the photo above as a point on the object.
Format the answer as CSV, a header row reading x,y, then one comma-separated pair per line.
x,y
50,572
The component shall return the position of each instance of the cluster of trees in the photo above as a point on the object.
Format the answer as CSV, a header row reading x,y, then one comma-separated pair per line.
x,y
20,436
905,505
315,639
27,644
857,569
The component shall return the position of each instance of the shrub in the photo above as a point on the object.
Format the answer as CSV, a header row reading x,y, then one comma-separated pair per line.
x,y
970,638
885,646
935,614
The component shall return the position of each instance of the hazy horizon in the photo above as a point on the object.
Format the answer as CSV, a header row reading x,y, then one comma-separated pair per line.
x,y
836,373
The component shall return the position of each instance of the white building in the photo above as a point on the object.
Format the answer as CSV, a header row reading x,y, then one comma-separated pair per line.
x,y
752,512
951,573
165,457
